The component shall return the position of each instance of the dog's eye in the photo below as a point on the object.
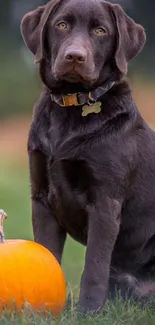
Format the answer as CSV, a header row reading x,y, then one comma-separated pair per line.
x,y
100,31
62,25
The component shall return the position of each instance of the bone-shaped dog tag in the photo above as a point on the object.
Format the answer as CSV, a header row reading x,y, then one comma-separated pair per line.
x,y
94,108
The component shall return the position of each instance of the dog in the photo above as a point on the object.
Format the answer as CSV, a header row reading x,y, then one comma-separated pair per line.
x,y
91,154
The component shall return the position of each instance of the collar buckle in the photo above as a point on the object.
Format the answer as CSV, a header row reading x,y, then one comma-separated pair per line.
x,y
70,100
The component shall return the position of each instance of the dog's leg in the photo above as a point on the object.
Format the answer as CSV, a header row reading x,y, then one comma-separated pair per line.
x,y
46,229
103,230
122,285
129,287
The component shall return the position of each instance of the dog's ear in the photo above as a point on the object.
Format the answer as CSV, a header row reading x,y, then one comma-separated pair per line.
x,y
131,38
33,26
31,30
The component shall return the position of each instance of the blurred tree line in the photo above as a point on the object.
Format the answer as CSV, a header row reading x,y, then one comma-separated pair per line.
x,y
18,85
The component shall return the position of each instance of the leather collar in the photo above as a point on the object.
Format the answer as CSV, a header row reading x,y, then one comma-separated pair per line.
x,y
81,98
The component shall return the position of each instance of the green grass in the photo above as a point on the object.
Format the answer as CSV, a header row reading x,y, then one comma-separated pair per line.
x,y
116,314
14,199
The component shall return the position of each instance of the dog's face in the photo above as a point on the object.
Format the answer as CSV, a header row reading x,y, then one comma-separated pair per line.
x,y
79,41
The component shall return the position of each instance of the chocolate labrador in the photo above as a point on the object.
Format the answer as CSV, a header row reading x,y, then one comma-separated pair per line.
x,y
91,155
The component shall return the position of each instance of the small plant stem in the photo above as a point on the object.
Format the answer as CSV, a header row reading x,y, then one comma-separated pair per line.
x,y
3,216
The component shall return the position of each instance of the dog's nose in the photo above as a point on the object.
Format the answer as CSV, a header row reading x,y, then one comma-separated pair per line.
x,y
78,56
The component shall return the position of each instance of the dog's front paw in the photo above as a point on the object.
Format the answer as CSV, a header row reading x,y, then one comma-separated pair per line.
x,y
88,309
91,304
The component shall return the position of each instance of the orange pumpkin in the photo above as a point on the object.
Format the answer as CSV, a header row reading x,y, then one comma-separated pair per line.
x,y
29,276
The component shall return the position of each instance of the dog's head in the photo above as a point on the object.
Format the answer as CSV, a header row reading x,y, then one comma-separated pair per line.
x,y
81,41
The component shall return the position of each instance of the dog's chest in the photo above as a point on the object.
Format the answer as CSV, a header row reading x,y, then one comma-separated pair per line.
x,y
57,137
69,195
68,167
70,181
61,135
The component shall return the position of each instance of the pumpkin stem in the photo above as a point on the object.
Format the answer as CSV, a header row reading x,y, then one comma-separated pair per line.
x,y
3,216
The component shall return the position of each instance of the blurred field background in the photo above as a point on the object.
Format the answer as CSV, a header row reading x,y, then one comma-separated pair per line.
x,y
19,89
